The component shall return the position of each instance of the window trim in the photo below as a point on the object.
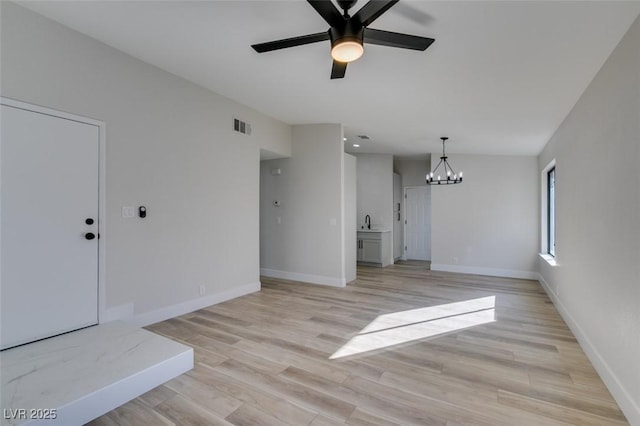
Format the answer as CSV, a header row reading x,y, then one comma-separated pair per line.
x,y
544,216
551,222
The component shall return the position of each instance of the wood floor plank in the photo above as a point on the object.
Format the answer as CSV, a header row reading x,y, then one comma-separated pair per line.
x,y
187,413
271,405
248,415
132,414
321,420
376,403
286,355
204,395
360,417
319,366
556,411
303,395
156,396
602,409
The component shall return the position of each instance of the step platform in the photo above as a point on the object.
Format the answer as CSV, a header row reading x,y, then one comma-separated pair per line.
x,y
76,377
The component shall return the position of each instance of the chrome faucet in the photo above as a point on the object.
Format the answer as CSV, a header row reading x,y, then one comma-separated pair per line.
x,y
367,221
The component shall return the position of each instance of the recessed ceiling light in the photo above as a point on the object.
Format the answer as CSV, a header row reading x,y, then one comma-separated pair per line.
x,y
355,145
344,139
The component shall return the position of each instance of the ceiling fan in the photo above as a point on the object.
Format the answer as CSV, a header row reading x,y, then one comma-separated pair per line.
x,y
349,33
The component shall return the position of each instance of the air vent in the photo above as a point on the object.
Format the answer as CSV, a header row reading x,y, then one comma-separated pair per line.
x,y
364,137
241,127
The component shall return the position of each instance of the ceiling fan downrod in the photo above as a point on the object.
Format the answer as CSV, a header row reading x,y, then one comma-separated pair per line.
x,y
345,5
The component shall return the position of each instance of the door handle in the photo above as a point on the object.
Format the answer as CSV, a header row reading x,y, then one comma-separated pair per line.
x,y
89,236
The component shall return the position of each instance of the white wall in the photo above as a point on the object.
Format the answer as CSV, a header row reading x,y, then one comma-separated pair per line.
x,y
170,147
303,238
350,216
398,212
596,283
375,189
488,223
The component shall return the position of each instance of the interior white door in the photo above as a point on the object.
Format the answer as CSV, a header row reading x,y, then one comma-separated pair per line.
x,y
49,208
418,223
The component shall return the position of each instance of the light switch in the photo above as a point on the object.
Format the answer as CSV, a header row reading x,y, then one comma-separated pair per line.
x,y
128,211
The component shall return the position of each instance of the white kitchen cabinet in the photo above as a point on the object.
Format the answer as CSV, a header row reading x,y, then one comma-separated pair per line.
x,y
374,246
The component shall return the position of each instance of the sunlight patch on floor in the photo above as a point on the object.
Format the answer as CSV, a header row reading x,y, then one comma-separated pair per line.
x,y
401,327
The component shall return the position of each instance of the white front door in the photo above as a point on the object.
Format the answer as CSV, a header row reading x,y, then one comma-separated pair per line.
x,y
418,223
49,209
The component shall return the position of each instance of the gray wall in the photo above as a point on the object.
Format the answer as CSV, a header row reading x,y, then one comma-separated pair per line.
x,y
412,170
170,146
596,283
487,224
303,238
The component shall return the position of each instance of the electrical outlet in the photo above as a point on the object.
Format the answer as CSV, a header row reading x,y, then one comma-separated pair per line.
x,y
202,290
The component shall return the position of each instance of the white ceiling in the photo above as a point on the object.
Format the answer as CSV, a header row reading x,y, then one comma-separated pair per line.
x,y
499,79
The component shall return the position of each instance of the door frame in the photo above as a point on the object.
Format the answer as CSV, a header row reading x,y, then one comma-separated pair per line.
x,y
102,208
404,220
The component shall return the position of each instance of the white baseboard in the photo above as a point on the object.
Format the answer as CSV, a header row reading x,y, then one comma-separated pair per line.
x,y
492,272
626,402
547,288
193,305
307,278
122,312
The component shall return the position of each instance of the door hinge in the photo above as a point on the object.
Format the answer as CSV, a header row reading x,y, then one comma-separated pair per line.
x,y
405,221
405,248
405,196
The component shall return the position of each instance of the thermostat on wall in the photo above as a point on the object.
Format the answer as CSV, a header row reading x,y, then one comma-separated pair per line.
x,y
276,203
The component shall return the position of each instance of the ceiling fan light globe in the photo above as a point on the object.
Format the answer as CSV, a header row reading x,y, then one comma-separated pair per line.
x,y
347,51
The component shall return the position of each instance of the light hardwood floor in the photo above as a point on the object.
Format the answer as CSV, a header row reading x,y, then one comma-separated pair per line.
x,y
400,346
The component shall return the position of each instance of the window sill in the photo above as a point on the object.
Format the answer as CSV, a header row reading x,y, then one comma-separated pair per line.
x,y
548,258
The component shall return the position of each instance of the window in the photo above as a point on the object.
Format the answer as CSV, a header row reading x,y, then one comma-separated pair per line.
x,y
551,211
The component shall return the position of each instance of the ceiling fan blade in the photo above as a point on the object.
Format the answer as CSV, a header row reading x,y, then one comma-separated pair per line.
x,y
338,69
290,42
404,41
328,11
372,11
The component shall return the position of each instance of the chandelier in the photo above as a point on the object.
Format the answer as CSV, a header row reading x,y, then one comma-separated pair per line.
x,y
448,176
